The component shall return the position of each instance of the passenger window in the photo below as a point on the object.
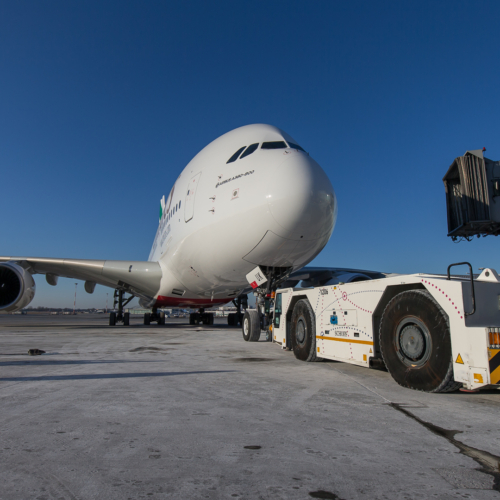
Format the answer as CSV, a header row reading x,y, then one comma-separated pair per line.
x,y
296,146
235,156
274,145
249,150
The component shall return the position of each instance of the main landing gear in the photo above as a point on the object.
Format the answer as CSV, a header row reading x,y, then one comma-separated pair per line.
x,y
235,319
201,317
119,316
154,317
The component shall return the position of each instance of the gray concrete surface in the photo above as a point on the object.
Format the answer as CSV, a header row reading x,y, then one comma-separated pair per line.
x,y
195,412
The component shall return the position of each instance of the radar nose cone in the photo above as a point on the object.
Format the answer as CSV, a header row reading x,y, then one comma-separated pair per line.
x,y
301,199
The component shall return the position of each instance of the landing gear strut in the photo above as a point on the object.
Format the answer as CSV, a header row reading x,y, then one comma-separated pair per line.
x,y
119,316
201,317
155,317
235,319
261,319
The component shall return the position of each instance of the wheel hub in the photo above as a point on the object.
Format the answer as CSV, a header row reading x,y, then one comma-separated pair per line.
x,y
301,331
413,342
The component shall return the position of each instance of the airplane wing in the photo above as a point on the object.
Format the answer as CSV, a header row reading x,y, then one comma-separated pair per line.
x,y
139,278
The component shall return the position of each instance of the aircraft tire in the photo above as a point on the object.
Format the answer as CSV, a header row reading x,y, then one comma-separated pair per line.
x,y
230,319
303,331
251,326
191,319
161,321
147,318
210,319
126,319
112,319
415,343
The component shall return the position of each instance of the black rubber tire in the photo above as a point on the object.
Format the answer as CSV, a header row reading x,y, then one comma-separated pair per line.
x,y
191,319
112,319
303,316
231,319
126,319
161,321
436,371
251,326
147,318
210,319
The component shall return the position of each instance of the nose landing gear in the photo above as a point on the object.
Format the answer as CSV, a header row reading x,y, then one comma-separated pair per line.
x,y
261,319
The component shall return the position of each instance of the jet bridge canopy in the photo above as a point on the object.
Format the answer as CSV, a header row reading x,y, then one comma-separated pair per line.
x,y
472,186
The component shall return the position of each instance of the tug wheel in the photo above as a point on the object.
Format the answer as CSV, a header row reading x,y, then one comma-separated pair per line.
x,y
415,343
303,331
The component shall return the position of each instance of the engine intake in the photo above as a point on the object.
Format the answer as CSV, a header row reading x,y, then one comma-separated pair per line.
x,y
17,287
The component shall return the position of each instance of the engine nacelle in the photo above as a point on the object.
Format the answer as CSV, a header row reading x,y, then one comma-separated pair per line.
x,y
17,287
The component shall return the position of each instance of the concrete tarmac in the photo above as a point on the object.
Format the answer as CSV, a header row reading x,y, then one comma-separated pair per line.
x,y
184,412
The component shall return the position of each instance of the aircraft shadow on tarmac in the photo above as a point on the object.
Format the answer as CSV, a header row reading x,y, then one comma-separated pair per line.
x,y
96,376
125,329
49,362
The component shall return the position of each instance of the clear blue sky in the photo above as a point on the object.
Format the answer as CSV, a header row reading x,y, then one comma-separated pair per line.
x,y
103,103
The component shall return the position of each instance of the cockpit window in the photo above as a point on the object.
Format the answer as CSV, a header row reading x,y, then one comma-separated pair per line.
x,y
235,156
296,146
249,150
274,145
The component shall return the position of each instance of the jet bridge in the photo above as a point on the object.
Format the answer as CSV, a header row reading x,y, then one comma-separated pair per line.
x,y
472,186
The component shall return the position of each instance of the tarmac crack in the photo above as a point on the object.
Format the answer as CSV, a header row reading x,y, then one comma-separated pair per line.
x,y
489,463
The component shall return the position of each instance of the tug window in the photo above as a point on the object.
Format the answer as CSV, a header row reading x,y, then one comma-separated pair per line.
x,y
249,150
235,156
296,146
274,145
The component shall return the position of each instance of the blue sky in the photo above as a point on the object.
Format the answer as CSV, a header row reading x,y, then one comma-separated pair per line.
x,y
103,103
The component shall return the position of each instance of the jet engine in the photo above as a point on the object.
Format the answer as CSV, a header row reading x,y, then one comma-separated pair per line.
x,y
17,287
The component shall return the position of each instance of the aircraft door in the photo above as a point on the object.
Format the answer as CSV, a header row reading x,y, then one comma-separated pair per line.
x,y
190,195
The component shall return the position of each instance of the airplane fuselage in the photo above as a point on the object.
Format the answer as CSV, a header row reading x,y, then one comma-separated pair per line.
x,y
272,207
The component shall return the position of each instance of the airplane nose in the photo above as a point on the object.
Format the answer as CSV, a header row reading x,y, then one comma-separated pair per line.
x,y
301,199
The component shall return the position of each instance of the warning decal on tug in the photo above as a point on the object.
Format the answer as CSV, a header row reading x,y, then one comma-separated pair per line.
x,y
459,360
494,355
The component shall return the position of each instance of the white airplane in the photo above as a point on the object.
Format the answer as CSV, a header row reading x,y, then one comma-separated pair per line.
x,y
252,201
